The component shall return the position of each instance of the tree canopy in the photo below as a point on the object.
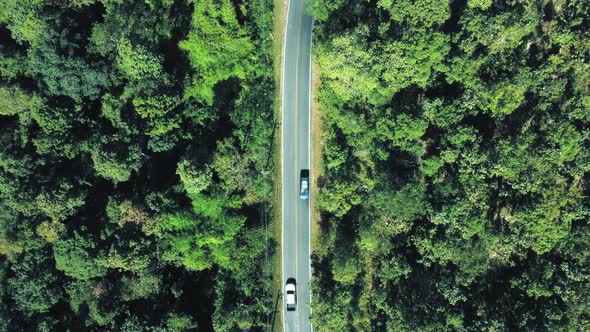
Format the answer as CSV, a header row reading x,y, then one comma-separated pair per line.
x,y
455,171
121,122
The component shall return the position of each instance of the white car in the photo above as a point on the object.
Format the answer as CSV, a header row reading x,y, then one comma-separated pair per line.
x,y
290,296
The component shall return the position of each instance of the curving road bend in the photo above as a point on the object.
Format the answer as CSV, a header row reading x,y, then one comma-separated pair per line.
x,y
295,129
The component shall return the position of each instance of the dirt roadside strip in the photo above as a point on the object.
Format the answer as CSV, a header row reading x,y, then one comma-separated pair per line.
x,y
279,14
317,136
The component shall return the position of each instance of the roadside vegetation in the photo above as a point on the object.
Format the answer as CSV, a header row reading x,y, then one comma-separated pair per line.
x,y
135,159
275,213
454,194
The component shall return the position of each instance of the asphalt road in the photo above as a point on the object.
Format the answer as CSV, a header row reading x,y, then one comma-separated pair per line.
x,y
296,156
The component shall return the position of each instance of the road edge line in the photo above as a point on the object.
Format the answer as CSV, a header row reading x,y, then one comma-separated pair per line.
x,y
310,164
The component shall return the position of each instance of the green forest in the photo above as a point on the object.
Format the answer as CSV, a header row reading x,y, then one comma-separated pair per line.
x,y
454,194
135,165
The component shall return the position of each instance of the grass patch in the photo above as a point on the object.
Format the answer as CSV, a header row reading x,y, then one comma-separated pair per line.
x,y
279,15
317,136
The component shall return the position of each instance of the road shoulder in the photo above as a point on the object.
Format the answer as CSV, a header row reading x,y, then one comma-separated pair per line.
x,y
317,136
279,24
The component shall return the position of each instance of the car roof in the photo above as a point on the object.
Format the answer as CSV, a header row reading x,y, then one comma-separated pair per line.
x,y
290,298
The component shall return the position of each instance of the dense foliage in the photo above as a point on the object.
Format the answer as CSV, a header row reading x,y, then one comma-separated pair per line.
x,y
455,181
134,164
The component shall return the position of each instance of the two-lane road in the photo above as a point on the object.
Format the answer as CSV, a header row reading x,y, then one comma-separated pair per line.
x,y
295,156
